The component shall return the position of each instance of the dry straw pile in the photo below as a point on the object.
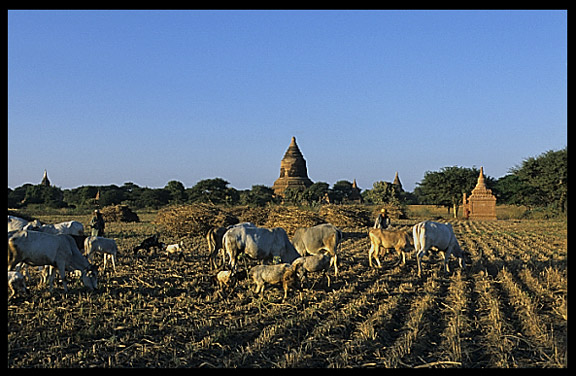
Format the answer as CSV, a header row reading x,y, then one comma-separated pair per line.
x,y
119,213
394,211
291,218
346,215
193,220
197,219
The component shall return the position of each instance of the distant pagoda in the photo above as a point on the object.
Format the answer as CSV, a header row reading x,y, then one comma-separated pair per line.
x,y
293,172
45,180
355,195
397,182
481,205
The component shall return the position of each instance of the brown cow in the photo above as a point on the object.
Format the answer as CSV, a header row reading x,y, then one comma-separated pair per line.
x,y
388,239
214,239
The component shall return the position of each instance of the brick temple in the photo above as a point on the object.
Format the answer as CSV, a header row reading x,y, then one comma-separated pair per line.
x,y
481,205
293,171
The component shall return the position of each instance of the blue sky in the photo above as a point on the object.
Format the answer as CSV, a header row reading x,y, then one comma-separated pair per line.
x,y
108,97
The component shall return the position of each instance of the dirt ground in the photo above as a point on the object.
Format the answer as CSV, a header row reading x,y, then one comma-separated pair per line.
x,y
507,309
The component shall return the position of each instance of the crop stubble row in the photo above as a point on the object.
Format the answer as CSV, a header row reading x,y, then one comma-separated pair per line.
x,y
508,309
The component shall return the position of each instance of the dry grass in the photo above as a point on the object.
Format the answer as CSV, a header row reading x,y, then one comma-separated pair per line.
x,y
508,309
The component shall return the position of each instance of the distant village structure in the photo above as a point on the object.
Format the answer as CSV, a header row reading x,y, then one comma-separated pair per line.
x,y
293,172
481,205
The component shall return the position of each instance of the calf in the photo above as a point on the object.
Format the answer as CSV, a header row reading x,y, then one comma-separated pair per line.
x,y
98,244
388,239
313,263
214,239
226,278
150,243
175,248
274,274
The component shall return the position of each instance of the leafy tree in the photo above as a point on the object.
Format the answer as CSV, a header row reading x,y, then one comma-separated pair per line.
x,y
259,195
111,195
293,196
545,179
315,192
153,198
446,187
16,196
512,190
47,195
213,191
382,192
341,191
177,192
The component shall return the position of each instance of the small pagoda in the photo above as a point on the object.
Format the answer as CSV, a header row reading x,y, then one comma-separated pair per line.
x,y
293,172
45,182
397,182
481,205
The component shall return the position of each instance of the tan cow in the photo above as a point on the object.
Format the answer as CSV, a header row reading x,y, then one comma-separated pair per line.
x,y
388,239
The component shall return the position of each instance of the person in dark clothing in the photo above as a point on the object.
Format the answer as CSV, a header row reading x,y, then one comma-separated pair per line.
x,y
97,224
382,221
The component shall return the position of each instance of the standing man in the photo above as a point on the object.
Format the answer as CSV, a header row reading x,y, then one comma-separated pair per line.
x,y
382,221
97,224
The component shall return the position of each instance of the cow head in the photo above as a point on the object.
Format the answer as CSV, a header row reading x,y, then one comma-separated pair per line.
x,y
90,277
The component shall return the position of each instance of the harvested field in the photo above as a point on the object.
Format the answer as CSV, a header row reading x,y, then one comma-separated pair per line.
x,y
508,309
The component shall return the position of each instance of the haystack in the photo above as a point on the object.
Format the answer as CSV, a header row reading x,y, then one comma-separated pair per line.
x,y
119,213
291,218
346,215
256,215
193,220
394,211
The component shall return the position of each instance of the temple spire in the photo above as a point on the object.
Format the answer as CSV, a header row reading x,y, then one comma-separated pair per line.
x,y
397,181
481,184
45,180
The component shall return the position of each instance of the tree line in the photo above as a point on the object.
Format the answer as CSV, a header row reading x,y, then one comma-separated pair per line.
x,y
537,182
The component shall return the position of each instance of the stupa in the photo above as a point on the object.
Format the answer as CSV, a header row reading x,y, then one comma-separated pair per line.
x,y
45,180
293,172
397,182
481,205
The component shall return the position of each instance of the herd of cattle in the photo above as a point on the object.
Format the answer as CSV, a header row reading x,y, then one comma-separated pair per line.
x,y
58,247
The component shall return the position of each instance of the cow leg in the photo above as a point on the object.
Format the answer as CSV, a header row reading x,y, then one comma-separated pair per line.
x,y
62,272
377,254
334,260
446,257
375,250
403,254
370,254
419,256
461,262
48,276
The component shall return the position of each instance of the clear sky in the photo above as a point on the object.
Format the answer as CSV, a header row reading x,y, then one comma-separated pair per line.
x,y
108,97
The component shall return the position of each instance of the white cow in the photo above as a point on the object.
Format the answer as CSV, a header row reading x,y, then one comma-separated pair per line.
x,y
38,249
259,243
314,240
441,236
16,223
69,228
98,244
